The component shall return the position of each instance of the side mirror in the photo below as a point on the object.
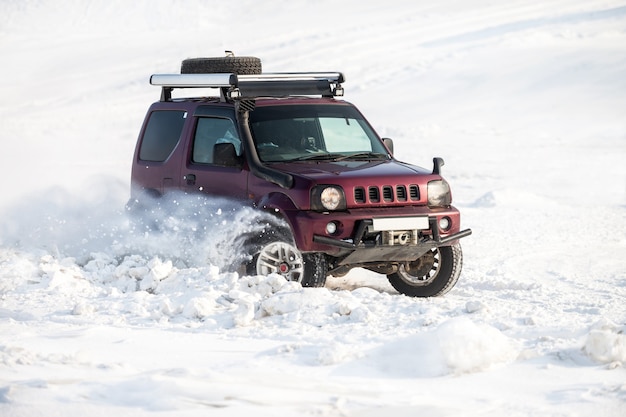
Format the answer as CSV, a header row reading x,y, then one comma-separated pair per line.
x,y
389,144
225,154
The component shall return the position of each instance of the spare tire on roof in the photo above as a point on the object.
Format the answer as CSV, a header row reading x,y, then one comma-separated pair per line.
x,y
244,65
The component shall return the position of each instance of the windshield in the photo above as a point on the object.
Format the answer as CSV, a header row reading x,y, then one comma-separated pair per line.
x,y
313,132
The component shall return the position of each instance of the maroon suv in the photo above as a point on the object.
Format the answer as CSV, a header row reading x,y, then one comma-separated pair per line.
x,y
283,143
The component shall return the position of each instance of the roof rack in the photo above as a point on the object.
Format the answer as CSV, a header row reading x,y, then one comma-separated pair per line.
x,y
234,86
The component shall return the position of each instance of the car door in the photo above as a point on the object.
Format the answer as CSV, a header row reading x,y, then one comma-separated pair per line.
x,y
204,169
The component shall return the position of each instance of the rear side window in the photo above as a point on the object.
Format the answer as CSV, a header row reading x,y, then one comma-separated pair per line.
x,y
161,135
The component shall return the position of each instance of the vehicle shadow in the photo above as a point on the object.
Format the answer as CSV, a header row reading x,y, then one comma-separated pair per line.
x,y
360,278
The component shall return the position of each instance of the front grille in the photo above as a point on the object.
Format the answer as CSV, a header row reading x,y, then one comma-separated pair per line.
x,y
386,194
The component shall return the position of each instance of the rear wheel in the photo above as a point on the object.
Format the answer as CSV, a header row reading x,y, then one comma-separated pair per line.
x,y
434,273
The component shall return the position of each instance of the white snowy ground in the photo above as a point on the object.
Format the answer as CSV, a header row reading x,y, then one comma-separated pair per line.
x,y
526,102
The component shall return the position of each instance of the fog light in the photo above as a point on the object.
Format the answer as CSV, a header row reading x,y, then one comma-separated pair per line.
x,y
331,228
445,223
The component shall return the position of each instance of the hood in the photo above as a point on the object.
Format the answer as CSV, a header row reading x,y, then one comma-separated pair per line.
x,y
338,172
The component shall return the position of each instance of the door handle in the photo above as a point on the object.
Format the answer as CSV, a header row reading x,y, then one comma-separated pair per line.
x,y
190,178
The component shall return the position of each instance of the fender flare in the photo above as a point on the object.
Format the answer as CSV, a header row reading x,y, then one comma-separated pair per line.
x,y
276,202
281,206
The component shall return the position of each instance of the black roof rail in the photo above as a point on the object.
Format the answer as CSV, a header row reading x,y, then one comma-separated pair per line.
x,y
233,86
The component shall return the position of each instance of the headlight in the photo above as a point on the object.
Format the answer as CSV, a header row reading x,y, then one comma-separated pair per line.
x,y
439,193
328,197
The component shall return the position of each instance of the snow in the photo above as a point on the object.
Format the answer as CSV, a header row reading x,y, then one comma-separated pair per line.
x,y
525,101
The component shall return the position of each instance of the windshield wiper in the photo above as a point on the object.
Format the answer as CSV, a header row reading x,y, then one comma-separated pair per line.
x,y
320,157
363,155
340,156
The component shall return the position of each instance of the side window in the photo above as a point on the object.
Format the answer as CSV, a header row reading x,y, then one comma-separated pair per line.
x,y
209,132
161,135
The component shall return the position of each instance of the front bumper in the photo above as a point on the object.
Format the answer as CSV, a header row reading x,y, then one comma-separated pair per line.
x,y
376,235
360,251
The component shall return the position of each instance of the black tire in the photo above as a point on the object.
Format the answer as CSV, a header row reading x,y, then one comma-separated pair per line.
x,y
274,252
315,270
244,65
433,274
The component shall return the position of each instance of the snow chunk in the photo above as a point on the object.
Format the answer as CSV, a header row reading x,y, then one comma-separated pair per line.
x,y
83,308
471,347
474,306
63,275
245,313
336,353
311,302
159,269
283,303
199,307
606,343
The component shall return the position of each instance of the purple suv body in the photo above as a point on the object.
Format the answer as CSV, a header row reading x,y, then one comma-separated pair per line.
x,y
285,144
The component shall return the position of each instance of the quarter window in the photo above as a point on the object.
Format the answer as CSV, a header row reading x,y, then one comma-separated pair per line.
x,y
161,135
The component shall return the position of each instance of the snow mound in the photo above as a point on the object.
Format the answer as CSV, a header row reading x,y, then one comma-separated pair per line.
x,y
152,289
606,343
457,346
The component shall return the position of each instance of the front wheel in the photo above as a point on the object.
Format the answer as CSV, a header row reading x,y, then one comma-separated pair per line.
x,y
433,274
279,256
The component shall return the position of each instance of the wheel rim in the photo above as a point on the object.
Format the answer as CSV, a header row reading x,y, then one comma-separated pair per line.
x,y
281,258
423,271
